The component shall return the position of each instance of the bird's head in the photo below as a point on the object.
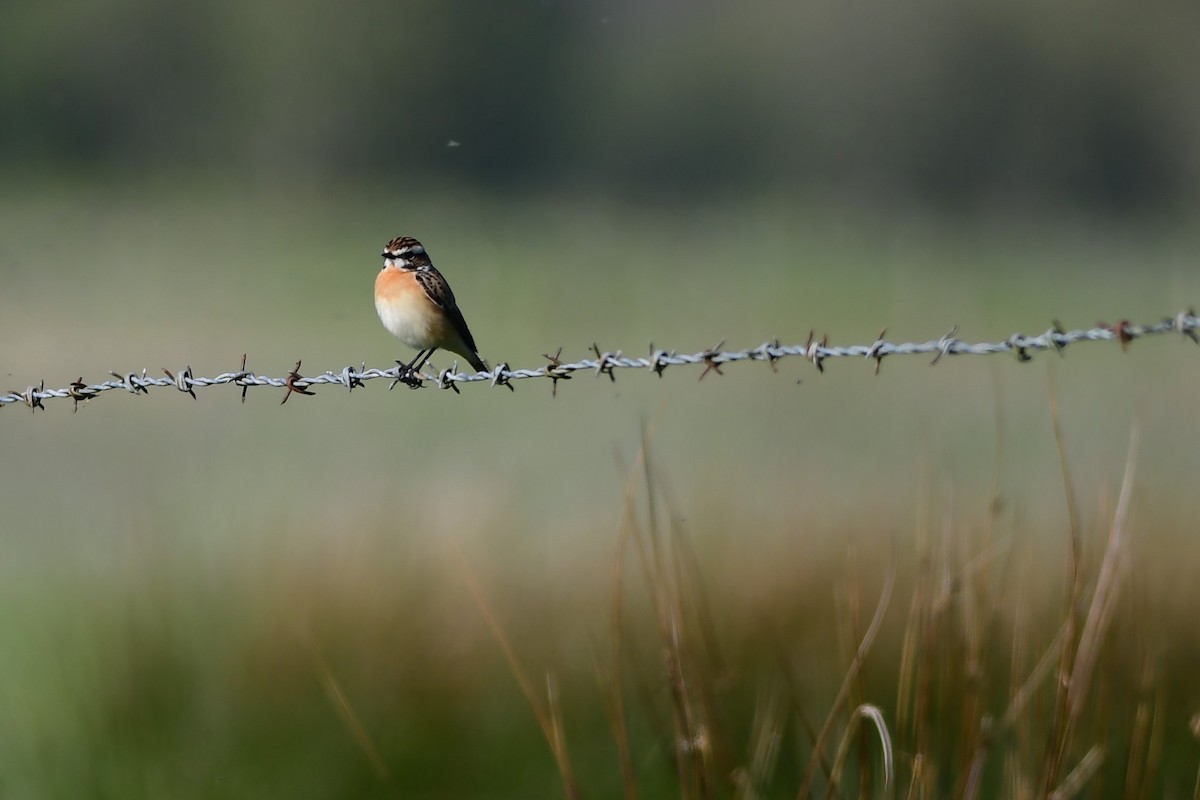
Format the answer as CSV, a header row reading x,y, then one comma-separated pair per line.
x,y
405,252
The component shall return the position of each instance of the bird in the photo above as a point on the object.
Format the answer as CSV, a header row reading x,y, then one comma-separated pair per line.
x,y
416,305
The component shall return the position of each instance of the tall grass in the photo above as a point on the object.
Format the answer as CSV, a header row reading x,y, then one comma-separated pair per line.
x,y
993,692
966,651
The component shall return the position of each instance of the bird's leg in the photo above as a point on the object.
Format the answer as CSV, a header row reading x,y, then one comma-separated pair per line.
x,y
421,359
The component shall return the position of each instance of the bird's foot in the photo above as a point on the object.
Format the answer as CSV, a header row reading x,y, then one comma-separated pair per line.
x,y
408,376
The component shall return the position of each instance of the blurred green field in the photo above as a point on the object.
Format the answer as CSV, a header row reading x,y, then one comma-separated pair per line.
x,y
210,599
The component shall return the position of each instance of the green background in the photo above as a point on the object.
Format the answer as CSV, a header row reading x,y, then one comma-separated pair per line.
x,y
183,582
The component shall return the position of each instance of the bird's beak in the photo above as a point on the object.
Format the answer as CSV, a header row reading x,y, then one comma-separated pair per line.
x,y
385,255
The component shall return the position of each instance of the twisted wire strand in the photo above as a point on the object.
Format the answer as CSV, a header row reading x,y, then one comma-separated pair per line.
x,y
1185,323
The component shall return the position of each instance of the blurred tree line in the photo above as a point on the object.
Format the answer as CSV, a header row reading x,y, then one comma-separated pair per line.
x,y
1090,104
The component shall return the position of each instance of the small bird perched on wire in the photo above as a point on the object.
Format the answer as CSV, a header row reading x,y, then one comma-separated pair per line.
x,y
415,304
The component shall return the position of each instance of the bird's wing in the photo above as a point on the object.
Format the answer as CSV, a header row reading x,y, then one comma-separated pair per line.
x,y
438,290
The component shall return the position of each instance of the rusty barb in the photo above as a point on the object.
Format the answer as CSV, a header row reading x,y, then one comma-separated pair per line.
x,y
605,363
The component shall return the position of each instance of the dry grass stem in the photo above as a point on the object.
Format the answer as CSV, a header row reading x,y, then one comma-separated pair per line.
x,y
333,691
1059,735
1083,772
875,715
851,676
546,719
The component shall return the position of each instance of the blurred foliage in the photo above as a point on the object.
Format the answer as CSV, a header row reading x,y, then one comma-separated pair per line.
x,y
185,581
957,106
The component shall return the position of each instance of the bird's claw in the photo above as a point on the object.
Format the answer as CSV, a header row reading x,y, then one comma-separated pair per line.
x,y
410,378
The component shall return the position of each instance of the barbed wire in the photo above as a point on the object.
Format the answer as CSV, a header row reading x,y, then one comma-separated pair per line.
x,y
1185,323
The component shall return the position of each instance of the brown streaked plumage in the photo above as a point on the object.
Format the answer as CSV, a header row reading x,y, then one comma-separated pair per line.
x,y
416,305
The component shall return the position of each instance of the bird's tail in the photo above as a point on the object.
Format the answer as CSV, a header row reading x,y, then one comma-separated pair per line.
x,y
477,363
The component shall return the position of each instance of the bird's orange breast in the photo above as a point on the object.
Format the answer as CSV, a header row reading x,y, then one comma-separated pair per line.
x,y
407,312
393,285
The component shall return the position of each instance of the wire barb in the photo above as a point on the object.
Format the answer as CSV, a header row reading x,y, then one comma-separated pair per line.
x,y
876,352
500,376
1123,331
605,362
78,390
1057,335
815,351
554,370
351,379
1180,324
1019,350
184,382
658,363
130,382
947,346
766,352
240,378
712,359
444,382
293,381
32,397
